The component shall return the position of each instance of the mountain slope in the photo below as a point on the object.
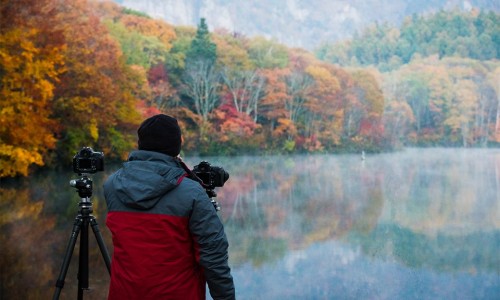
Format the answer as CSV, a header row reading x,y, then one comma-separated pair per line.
x,y
297,23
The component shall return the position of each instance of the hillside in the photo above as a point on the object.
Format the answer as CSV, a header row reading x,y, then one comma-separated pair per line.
x,y
297,23
471,34
81,72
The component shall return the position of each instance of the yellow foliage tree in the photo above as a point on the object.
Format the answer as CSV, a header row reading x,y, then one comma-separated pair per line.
x,y
26,90
151,27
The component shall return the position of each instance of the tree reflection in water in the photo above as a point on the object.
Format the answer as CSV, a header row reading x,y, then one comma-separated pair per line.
x,y
36,219
422,223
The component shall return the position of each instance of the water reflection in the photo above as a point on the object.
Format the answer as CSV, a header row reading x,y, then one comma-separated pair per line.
x,y
36,220
418,224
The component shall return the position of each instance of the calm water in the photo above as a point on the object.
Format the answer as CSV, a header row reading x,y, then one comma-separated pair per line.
x,y
417,224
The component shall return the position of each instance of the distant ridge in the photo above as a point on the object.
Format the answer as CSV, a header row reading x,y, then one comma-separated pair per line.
x,y
297,23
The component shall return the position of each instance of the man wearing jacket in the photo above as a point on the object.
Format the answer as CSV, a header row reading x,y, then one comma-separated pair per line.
x,y
168,239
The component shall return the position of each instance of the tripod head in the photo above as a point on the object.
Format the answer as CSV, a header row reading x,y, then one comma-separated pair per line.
x,y
84,189
84,186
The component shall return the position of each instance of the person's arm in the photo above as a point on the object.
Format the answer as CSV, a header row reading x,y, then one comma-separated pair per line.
x,y
208,232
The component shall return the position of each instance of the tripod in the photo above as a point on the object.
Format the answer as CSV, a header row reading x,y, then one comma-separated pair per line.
x,y
82,221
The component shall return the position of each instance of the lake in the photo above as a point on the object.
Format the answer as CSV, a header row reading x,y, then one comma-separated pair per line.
x,y
414,224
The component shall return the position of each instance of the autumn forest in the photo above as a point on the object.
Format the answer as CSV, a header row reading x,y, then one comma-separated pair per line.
x,y
79,73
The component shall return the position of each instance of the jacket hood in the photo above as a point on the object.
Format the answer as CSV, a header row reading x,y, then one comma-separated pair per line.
x,y
145,178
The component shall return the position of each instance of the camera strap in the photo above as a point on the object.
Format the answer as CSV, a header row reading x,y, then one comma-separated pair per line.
x,y
190,174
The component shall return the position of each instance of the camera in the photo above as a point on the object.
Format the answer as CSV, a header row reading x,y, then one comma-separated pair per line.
x,y
88,161
212,176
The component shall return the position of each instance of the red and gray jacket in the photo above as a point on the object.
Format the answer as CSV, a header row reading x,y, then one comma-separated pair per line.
x,y
168,239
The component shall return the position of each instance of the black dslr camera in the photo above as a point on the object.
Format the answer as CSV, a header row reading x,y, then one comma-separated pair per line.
x,y
86,161
211,176
208,176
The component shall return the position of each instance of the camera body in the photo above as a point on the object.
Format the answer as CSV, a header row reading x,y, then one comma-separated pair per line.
x,y
87,161
212,176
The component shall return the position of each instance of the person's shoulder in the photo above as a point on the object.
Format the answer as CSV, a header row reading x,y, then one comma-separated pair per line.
x,y
111,177
191,184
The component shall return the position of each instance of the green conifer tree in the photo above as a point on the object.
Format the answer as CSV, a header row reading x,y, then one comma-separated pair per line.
x,y
202,48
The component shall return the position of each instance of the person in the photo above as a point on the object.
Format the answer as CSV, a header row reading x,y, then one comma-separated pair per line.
x,y
168,239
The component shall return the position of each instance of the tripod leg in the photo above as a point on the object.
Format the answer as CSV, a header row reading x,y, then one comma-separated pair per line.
x,y
100,242
67,258
83,259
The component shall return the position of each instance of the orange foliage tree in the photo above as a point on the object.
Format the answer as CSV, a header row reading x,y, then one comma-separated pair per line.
x,y
95,98
322,120
31,58
371,98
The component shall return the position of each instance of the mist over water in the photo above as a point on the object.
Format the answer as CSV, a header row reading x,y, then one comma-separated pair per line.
x,y
415,224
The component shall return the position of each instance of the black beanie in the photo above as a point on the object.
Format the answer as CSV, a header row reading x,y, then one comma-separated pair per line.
x,y
160,133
